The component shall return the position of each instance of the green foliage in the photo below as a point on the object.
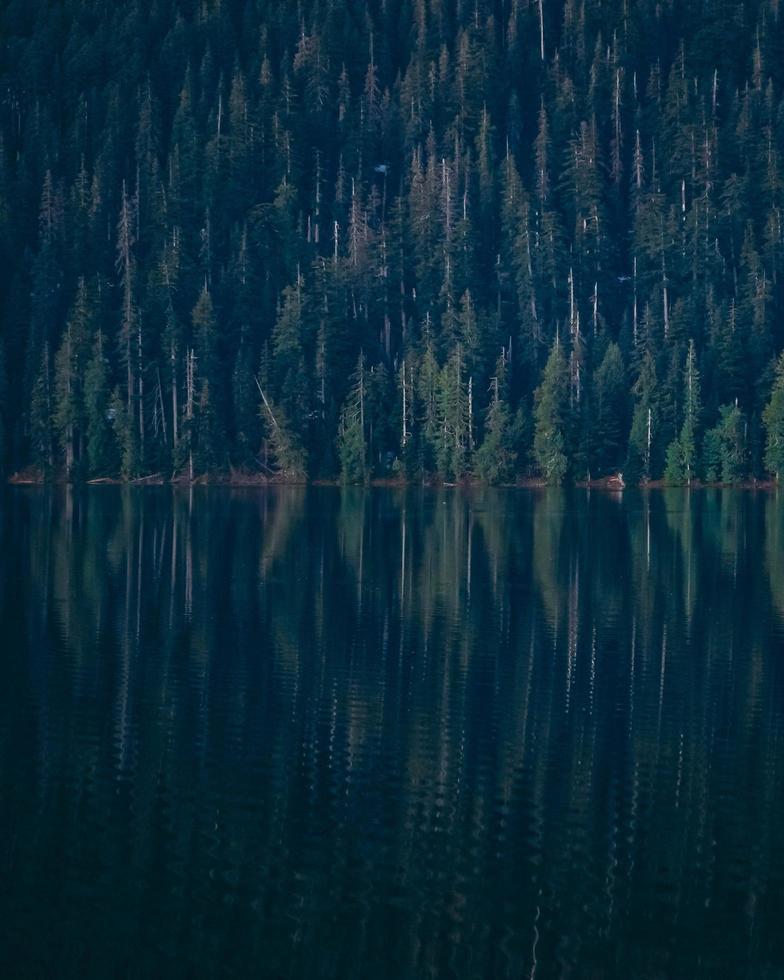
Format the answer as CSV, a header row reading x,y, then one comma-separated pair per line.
x,y
3,409
125,435
640,458
773,417
101,450
496,459
209,437
454,440
552,417
352,442
284,453
725,458
68,415
250,190
682,453
608,412
41,449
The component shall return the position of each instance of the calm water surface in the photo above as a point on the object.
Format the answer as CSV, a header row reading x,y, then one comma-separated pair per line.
x,y
348,734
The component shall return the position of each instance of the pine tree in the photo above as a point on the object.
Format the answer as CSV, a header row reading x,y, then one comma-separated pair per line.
x,y
69,364
209,442
724,447
426,411
247,424
501,174
124,435
454,440
682,453
608,423
552,418
284,454
641,460
773,419
101,450
130,334
288,346
3,411
496,459
352,442
41,407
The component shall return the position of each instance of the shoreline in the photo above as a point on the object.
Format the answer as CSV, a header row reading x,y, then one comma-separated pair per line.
x,y
238,480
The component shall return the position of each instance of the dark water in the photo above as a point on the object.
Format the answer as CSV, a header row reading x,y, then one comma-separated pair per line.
x,y
387,735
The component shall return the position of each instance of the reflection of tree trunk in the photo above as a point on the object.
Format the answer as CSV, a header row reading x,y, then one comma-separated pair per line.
x,y
403,555
173,579
175,420
139,572
189,558
541,29
123,695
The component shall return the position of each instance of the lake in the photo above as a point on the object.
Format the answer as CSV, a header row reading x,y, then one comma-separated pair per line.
x,y
387,734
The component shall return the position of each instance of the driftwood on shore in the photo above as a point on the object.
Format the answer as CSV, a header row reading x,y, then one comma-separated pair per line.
x,y
154,479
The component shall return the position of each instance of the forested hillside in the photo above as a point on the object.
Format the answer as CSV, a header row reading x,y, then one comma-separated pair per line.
x,y
438,238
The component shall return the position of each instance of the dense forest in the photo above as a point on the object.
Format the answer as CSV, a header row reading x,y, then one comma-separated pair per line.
x,y
431,239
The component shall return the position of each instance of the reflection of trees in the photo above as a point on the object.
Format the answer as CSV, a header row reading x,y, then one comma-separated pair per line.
x,y
774,548
526,709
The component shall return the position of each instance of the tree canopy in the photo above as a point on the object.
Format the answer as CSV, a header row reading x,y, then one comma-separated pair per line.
x,y
444,239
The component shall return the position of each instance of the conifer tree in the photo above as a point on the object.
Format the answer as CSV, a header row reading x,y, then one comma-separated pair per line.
x,y
724,447
352,442
773,418
608,411
682,453
209,435
406,182
97,397
3,410
41,406
69,365
552,418
284,454
454,442
641,461
497,456
124,435
288,346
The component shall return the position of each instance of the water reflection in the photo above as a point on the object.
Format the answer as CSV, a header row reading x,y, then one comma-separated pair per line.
x,y
312,733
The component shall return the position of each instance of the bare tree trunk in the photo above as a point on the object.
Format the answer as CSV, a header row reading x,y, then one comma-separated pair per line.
x,y
140,357
175,411
541,29
405,407
471,413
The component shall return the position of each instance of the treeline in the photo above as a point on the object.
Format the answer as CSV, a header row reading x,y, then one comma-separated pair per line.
x,y
428,237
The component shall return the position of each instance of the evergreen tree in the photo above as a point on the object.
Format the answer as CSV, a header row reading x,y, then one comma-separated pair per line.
x,y
552,417
68,410
724,447
682,453
454,441
4,454
496,458
270,182
97,398
426,410
124,435
608,422
285,456
352,442
641,461
773,418
41,416
288,345
209,437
